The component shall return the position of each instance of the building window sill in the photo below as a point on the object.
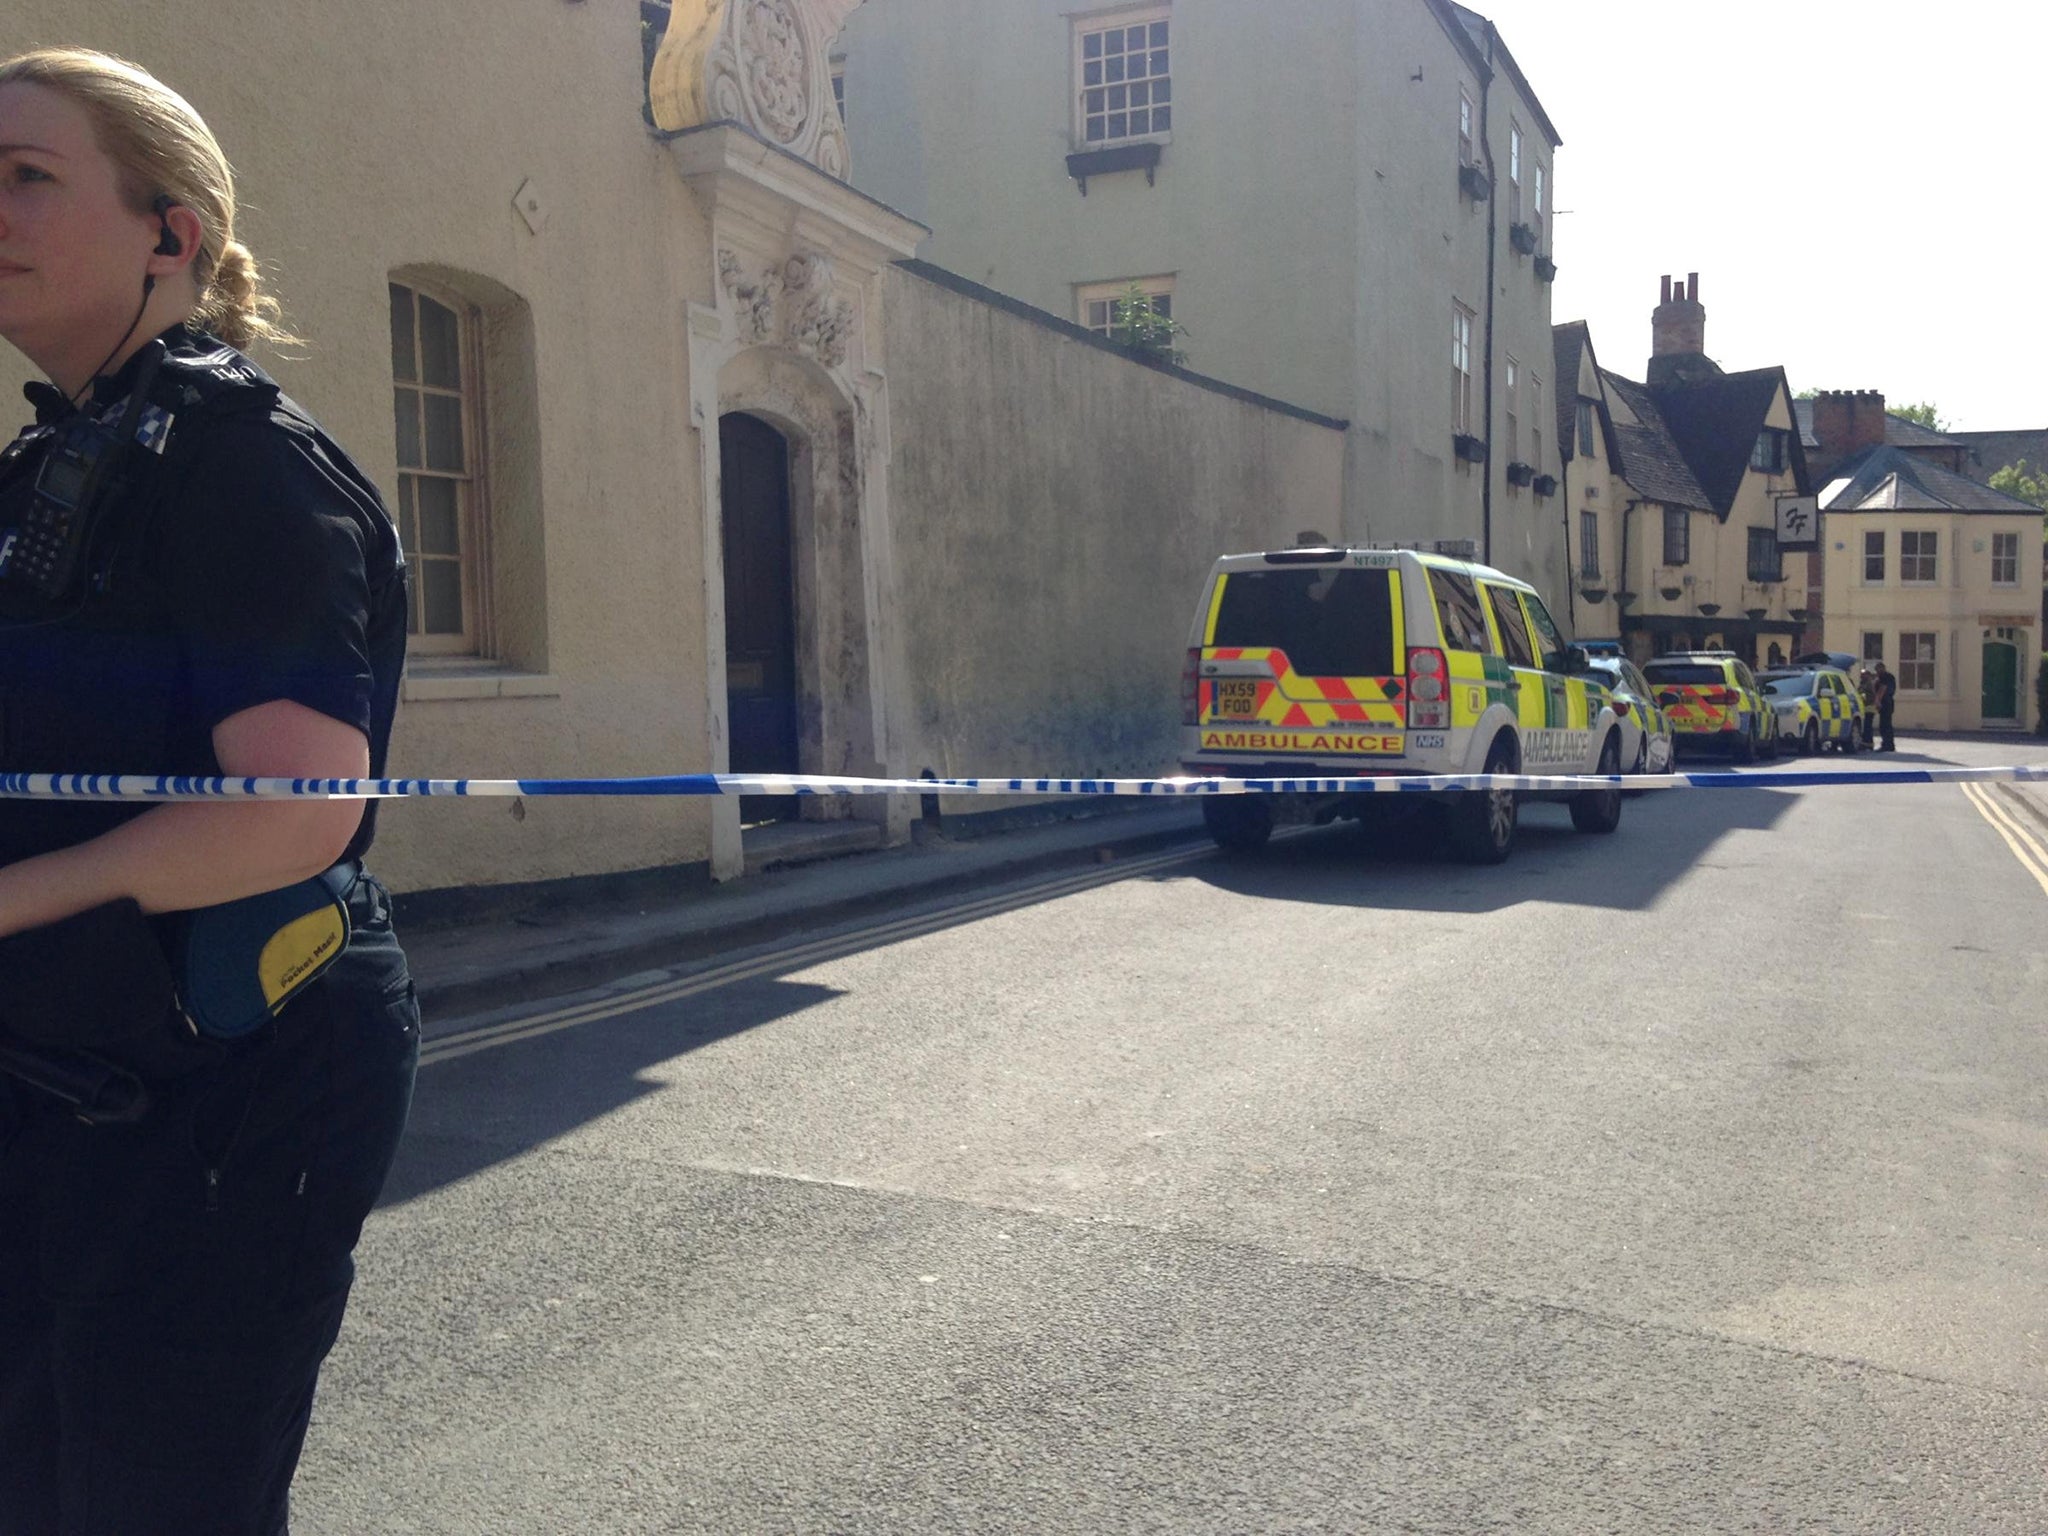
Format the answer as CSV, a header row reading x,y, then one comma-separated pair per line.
x,y
1131,155
445,684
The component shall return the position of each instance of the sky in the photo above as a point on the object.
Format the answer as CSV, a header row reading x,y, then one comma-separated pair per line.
x,y
1862,186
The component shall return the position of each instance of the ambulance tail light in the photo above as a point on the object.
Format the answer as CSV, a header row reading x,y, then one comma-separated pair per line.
x,y
1191,688
1429,691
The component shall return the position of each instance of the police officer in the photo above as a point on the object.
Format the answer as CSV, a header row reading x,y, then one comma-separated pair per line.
x,y
1885,688
170,1285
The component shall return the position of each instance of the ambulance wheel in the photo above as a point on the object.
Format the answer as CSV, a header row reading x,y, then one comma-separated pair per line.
x,y
1599,810
1809,743
1238,823
1483,822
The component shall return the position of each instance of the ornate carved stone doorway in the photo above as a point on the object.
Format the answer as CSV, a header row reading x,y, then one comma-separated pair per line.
x,y
790,333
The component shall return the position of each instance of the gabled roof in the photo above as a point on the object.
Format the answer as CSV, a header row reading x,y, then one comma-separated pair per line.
x,y
1568,343
1715,423
1888,479
1899,431
1647,455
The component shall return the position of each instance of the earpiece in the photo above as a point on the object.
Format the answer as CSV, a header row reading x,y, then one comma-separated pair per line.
x,y
168,243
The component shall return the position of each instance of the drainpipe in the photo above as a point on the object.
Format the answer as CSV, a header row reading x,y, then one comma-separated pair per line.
x,y
1621,576
1564,495
1492,233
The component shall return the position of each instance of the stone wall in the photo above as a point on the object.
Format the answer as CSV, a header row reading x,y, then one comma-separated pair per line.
x,y
1056,507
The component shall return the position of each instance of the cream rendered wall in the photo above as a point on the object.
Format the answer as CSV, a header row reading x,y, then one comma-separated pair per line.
x,y
1047,595
1307,206
379,134
1954,608
1590,484
1756,507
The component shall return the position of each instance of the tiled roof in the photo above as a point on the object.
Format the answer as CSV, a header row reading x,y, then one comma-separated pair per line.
x,y
1650,459
1899,431
1992,451
1715,423
1888,479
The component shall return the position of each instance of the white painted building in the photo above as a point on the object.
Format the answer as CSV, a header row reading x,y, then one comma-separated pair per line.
x,y
1348,204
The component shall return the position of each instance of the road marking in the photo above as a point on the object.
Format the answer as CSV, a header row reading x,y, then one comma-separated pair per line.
x,y
2032,856
533,1026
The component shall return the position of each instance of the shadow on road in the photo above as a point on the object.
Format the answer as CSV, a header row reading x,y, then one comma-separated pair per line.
x,y
1402,865
475,1111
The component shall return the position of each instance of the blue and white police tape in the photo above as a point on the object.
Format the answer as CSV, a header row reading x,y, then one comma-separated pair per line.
x,y
170,787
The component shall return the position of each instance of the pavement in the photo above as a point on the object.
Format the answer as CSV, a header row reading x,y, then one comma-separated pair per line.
x,y
551,945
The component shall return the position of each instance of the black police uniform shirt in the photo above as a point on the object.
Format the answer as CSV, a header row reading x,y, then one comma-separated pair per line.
x,y
252,562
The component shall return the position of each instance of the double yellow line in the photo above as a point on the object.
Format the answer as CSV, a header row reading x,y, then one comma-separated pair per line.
x,y
532,1026
2025,846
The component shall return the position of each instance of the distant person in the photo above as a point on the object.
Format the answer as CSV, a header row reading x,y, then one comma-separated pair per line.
x,y
1882,688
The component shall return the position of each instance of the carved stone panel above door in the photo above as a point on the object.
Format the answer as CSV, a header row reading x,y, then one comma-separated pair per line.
x,y
763,64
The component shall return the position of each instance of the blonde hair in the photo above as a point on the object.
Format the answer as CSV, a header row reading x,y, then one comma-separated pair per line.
x,y
163,148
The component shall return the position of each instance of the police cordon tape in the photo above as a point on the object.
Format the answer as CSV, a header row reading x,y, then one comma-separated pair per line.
x,y
168,787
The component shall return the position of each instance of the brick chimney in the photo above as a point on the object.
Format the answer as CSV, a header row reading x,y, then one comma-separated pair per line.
x,y
1680,321
1847,421
1678,335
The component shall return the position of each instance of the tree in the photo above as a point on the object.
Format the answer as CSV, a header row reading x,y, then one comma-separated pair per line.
x,y
2024,481
1139,327
1926,413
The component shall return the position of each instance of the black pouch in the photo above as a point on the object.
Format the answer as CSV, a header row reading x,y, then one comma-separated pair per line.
x,y
239,963
97,983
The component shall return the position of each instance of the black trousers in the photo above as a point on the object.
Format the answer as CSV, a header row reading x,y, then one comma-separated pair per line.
x,y
1884,731
169,1289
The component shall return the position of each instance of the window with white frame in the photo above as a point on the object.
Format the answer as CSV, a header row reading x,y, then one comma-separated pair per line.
x,y
1917,548
1873,557
1873,645
1461,368
435,406
1589,545
1585,429
2005,559
1916,662
1536,202
1125,77
1514,172
1466,118
1096,303
1512,398
1536,422
1768,455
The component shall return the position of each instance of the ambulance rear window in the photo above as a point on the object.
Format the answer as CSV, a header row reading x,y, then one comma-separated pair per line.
x,y
1679,672
1331,622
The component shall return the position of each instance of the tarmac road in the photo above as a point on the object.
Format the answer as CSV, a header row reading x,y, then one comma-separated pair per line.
x,y
1686,1180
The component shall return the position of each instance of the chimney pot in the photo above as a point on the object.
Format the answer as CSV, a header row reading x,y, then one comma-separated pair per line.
x,y
1692,286
1667,289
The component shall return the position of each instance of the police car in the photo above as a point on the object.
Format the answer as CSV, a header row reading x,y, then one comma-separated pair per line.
x,y
1646,740
1816,707
1335,661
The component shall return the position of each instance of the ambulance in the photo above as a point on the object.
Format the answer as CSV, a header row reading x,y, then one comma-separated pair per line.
x,y
1350,662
